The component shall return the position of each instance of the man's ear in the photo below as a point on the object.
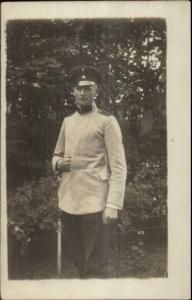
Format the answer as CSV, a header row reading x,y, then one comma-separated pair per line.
x,y
73,92
98,90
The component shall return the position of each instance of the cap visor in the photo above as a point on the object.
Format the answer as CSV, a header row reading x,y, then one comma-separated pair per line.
x,y
85,83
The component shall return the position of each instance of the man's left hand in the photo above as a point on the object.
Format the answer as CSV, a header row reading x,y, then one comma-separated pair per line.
x,y
109,215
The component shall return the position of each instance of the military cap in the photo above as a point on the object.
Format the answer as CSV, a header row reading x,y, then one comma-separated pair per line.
x,y
85,75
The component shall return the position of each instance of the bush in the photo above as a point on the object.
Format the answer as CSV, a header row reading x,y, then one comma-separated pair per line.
x,y
145,208
32,208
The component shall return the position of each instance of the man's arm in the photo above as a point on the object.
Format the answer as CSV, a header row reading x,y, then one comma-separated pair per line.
x,y
59,162
59,150
117,163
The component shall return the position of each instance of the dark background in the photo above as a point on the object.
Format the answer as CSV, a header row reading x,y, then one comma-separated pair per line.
x,y
131,55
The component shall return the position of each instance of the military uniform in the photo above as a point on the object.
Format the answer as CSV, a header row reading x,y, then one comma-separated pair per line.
x,y
92,138
98,170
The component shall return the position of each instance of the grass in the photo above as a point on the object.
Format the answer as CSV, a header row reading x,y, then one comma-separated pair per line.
x,y
151,264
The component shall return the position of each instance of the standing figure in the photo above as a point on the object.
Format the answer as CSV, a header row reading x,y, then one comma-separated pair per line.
x,y
90,161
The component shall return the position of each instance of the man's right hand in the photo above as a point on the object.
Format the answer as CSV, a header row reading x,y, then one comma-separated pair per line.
x,y
64,164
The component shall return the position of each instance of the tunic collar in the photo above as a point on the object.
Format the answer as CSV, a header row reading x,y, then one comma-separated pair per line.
x,y
86,109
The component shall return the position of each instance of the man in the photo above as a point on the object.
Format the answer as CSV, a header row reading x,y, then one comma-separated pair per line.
x,y
89,158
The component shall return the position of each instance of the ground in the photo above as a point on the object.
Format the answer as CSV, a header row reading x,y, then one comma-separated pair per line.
x,y
152,264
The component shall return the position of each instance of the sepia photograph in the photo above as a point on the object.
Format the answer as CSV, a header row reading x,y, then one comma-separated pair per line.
x,y
86,148
104,83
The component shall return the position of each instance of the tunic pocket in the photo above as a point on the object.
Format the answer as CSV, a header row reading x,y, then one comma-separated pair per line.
x,y
64,179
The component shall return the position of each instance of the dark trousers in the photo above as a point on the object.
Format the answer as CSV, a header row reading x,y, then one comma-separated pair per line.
x,y
93,244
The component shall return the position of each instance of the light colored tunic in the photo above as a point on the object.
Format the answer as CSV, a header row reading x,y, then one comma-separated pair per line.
x,y
98,167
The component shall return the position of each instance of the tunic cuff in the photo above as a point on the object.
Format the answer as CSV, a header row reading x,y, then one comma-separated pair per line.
x,y
110,205
55,159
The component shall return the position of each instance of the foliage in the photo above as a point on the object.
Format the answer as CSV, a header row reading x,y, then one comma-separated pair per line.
x,y
32,208
145,200
131,55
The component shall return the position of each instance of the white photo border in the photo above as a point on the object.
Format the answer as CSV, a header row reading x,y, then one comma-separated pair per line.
x,y
177,285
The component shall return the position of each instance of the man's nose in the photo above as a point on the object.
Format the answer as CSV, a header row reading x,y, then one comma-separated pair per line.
x,y
82,91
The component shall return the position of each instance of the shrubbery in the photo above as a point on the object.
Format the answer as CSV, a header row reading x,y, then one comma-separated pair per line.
x,y
32,208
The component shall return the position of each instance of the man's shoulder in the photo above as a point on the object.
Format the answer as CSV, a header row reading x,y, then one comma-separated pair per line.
x,y
106,116
104,113
70,115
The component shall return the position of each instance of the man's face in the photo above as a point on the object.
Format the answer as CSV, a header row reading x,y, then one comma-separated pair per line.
x,y
85,94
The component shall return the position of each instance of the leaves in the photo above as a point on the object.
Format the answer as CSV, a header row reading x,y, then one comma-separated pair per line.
x,y
32,207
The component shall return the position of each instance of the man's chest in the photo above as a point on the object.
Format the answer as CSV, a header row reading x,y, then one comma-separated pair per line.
x,y
84,134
